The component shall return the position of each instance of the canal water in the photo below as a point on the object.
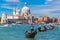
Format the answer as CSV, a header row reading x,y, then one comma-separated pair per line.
x,y
16,32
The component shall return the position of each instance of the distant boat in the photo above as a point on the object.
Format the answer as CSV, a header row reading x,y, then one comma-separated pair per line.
x,y
13,23
6,25
51,27
42,29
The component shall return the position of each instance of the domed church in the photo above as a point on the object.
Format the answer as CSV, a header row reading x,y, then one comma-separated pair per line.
x,y
19,16
26,13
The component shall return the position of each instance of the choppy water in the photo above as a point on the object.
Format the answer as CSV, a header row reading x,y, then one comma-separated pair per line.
x,y
16,32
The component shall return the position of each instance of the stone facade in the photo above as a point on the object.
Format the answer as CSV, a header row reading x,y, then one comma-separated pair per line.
x,y
23,16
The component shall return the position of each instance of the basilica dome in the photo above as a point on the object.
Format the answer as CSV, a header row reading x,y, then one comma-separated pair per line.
x,y
25,9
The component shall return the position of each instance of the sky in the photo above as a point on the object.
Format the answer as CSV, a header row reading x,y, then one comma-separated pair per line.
x,y
49,8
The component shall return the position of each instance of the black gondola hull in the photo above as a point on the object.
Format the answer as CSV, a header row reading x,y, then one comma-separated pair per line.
x,y
30,34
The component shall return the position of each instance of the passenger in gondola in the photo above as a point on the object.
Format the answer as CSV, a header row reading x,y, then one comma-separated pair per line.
x,y
39,27
27,32
45,28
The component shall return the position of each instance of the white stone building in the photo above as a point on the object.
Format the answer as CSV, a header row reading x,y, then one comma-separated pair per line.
x,y
4,18
23,16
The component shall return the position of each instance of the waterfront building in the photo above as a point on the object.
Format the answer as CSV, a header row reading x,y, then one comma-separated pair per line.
x,y
35,20
0,19
46,19
18,16
53,20
4,18
41,19
58,20
26,14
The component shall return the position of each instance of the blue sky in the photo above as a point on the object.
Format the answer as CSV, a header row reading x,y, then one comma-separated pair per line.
x,y
49,8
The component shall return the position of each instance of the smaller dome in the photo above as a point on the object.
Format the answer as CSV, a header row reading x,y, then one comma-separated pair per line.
x,y
17,9
4,14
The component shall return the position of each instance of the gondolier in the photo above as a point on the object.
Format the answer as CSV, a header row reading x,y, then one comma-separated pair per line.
x,y
32,27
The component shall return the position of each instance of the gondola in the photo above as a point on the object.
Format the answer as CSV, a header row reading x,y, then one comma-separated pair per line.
x,y
30,34
42,29
51,27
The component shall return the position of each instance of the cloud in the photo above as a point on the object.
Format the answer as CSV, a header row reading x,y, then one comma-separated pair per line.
x,y
45,10
56,12
48,1
7,6
53,2
10,4
51,9
56,2
11,0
